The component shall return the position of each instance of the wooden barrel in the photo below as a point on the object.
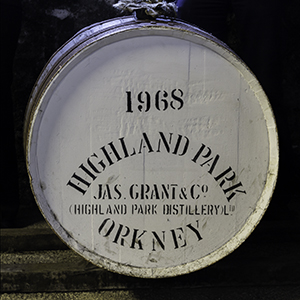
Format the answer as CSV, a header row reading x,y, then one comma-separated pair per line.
x,y
151,147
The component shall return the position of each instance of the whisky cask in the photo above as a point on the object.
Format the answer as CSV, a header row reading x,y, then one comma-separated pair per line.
x,y
151,148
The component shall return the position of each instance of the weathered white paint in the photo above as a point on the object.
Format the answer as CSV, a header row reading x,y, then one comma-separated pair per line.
x,y
217,122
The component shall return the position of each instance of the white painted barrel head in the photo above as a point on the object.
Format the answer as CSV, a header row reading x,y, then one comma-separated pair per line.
x,y
151,148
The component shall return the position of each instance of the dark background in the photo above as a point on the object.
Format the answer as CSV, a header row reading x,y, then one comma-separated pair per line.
x,y
46,25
